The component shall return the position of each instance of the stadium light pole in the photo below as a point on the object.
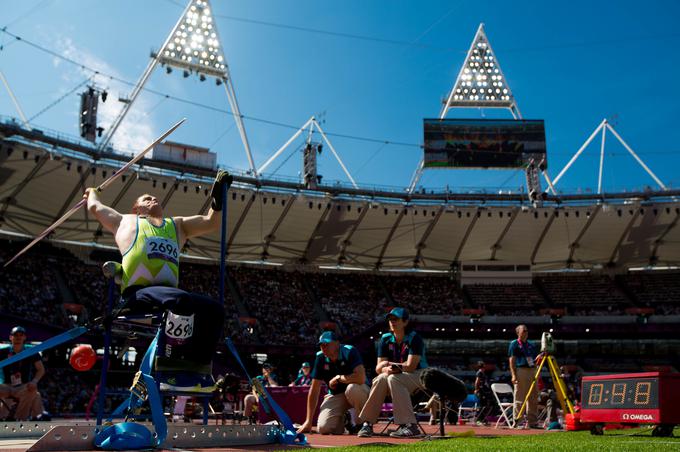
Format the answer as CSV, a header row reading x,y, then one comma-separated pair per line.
x,y
480,83
193,46
310,125
603,127
15,101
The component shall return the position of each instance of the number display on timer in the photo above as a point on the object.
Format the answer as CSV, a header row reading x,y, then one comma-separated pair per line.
x,y
620,393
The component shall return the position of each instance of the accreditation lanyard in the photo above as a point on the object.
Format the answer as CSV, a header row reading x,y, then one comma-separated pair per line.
x,y
15,373
524,346
399,351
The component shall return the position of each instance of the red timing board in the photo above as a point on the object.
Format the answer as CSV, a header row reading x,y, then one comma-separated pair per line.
x,y
639,398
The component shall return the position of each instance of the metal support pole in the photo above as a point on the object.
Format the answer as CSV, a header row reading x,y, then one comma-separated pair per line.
x,y
337,157
140,85
642,164
579,152
550,184
283,148
107,350
599,178
233,103
223,243
416,176
15,101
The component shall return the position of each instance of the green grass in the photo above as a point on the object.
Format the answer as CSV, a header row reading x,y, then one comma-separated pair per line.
x,y
640,439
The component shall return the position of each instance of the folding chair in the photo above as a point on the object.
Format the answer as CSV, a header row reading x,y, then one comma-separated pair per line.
x,y
469,408
502,392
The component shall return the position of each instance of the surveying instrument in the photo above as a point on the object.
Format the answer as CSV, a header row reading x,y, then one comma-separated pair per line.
x,y
547,350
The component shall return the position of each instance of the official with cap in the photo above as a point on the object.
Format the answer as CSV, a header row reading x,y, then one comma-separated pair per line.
x,y
341,368
401,359
267,379
304,377
20,380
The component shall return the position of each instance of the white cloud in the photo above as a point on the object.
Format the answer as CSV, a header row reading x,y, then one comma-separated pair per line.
x,y
137,129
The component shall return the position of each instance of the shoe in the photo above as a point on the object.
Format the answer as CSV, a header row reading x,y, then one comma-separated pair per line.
x,y
350,426
352,429
407,431
366,430
187,382
433,422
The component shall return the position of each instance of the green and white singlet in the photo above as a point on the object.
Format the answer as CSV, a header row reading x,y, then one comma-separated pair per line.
x,y
153,257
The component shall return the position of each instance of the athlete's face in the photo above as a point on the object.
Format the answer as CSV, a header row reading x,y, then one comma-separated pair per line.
x,y
148,205
306,370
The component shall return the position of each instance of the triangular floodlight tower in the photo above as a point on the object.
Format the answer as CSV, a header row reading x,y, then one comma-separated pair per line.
x,y
309,126
192,46
602,128
480,82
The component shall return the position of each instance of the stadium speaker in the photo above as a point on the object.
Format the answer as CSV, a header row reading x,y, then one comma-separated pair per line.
x,y
444,384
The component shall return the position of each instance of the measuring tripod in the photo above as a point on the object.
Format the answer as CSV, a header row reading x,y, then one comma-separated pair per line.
x,y
558,382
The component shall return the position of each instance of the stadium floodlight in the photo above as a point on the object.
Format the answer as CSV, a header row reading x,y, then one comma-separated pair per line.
x,y
194,44
194,47
481,82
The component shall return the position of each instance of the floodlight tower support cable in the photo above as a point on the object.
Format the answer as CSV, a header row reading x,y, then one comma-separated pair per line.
x,y
635,156
599,177
579,152
550,183
15,101
416,176
233,103
285,146
140,84
337,157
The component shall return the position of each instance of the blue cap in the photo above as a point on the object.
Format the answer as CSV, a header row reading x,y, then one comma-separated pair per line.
x,y
327,337
17,329
400,313
306,364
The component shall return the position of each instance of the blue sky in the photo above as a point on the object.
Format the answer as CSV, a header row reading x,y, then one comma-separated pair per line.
x,y
370,69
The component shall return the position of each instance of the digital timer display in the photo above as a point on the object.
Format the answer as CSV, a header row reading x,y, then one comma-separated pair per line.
x,y
621,393
645,397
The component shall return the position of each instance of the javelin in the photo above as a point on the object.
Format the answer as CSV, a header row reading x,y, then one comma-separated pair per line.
x,y
101,187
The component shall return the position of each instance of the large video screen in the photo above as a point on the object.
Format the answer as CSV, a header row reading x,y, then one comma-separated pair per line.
x,y
482,143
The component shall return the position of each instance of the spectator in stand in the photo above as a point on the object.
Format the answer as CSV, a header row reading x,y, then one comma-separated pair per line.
x,y
304,378
341,368
20,380
401,360
267,379
522,360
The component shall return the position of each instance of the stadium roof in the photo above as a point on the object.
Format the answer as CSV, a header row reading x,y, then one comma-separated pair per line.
x,y
41,176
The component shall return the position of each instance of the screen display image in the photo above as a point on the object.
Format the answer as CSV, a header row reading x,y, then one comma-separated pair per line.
x,y
631,393
481,143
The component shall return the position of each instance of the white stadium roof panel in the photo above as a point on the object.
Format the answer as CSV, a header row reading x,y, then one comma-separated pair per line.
x,y
553,251
292,234
447,237
356,230
519,240
487,230
402,246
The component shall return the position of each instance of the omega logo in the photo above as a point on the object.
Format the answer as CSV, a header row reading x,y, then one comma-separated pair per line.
x,y
637,417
